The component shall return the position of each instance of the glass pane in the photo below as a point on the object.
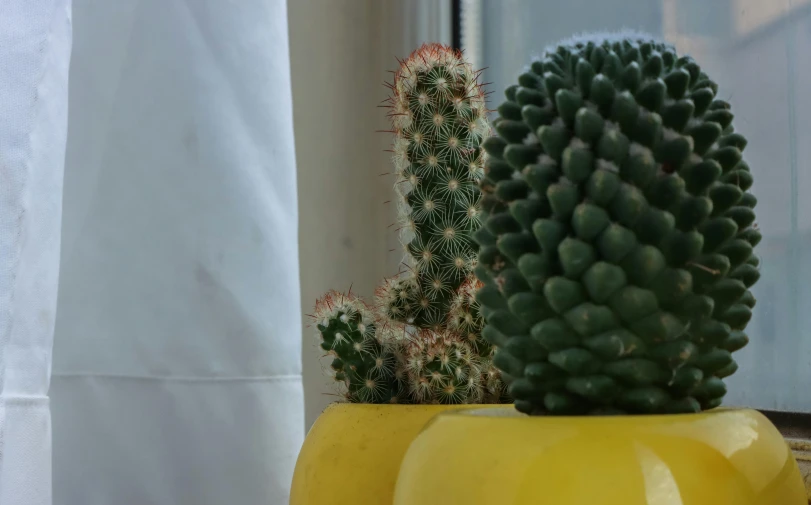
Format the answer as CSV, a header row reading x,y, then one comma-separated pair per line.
x,y
758,53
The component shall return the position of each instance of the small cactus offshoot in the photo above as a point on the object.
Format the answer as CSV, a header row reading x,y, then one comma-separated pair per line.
x,y
421,340
617,253
360,361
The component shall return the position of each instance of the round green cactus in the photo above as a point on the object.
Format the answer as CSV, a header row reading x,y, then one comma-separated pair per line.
x,y
617,252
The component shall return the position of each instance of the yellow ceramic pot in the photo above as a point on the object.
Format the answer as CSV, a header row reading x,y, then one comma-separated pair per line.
x,y
353,452
486,457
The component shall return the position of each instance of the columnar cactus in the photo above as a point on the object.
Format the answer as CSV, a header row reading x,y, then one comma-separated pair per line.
x,y
422,341
438,113
618,248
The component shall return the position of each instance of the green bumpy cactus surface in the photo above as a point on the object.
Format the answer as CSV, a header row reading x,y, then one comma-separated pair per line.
x,y
617,253
422,341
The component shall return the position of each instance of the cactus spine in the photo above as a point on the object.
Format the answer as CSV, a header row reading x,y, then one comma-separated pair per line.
x,y
421,342
618,248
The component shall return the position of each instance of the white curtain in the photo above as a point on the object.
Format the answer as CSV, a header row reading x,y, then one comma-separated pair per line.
x,y
35,42
176,371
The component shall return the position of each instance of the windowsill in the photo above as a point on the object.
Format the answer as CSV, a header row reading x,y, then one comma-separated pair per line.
x,y
796,429
802,452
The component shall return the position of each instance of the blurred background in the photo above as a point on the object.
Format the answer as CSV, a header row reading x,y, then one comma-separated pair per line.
x,y
757,50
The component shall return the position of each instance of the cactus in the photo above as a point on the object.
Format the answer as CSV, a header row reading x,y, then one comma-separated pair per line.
x,y
617,252
367,369
438,113
421,341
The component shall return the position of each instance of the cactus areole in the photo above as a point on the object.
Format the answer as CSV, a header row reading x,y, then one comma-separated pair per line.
x,y
617,253
420,341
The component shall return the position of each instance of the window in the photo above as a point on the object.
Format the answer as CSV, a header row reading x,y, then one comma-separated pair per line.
x,y
704,19
754,50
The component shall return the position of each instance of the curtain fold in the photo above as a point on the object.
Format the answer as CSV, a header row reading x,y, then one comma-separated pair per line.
x,y
35,47
177,361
